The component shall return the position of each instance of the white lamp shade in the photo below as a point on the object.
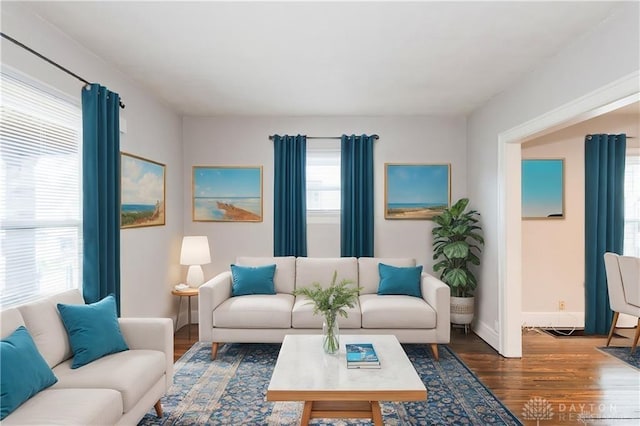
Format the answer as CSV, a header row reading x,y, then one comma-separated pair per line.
x,y
195,251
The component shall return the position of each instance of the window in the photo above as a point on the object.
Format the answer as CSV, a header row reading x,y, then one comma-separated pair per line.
x,y
632,206
40,184
323,178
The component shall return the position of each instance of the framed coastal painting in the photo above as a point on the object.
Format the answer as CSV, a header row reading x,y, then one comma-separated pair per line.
x,y
227,193
416,191
142,192
543,188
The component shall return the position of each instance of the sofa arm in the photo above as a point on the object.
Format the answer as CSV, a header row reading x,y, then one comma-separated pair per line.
x,y
437,294
150,333
212,293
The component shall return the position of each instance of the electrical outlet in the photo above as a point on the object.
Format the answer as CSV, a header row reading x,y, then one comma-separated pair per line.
x,y
561,305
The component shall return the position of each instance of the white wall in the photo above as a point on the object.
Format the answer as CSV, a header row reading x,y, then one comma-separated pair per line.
x,y
553,250
609,52
244,141
149,255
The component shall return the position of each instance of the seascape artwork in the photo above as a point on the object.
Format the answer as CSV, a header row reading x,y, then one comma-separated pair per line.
x,y
142,192
416,191
227,194
543,188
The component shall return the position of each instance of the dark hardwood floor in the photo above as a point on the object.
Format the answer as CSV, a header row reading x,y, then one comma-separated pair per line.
x,y
580,384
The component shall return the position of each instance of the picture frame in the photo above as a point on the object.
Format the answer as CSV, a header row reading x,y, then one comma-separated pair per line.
x,y
142,192
227,194
416,191
543,188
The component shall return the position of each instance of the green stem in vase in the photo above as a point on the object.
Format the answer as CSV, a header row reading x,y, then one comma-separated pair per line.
x,y
331,342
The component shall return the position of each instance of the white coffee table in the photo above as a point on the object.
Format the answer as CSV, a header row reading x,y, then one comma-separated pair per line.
x,y
329,389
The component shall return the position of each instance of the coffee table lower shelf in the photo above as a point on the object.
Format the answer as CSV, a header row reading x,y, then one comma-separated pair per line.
x,y
342,409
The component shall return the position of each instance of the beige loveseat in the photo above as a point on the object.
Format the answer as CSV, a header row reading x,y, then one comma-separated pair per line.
x,y
115,389
268,318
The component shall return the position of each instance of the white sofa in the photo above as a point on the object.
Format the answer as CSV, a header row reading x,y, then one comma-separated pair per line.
x,y
268,318
115,389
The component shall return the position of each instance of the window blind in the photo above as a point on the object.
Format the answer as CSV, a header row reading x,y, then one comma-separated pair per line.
x,y
323,177
631,245
40,191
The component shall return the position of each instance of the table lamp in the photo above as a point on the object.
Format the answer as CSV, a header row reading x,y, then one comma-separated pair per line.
x,y
195,252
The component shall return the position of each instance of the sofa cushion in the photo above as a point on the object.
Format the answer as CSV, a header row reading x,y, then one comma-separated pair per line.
x,y
302,315
84,407
252,280
285,275
320,270
93,330
399,280
132,373
23,371
45,325
396,312
368,274
10,320
255,311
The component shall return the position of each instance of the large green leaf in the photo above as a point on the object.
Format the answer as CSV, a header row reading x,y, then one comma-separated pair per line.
x,y
459,207
456,277
445,218
461,229
456,250
440,265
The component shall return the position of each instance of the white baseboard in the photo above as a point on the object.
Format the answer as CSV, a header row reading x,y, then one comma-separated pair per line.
x,y
553,319
488,334
566,319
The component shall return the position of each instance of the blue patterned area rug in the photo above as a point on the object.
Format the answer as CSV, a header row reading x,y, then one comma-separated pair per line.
x,y
231,391
623,353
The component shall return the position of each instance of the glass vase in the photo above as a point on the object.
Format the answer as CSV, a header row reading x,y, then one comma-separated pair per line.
x,y
330,333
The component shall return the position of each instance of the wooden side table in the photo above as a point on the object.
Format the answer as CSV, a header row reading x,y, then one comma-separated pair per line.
x,y
189,293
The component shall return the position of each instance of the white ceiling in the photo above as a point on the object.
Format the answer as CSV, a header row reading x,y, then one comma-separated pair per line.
x,y
327,58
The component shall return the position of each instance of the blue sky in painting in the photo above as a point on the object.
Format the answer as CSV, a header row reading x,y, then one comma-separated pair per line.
x,y
142,182
227,182
417,184
541,188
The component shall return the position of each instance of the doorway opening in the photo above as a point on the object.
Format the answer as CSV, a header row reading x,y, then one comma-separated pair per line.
x,y
612,97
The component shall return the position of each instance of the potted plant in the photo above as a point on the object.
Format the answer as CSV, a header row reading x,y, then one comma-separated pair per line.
x,y
456,245
331,302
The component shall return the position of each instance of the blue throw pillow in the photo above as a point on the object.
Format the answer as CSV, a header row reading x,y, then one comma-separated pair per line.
x,y
23,371
252,280
93,330
400,280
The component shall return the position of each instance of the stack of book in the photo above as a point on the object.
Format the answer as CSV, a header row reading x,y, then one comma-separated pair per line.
x,y
361,355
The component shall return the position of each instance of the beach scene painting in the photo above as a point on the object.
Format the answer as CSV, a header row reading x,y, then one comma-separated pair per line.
x,y
227,194
142,192
543,188
416,191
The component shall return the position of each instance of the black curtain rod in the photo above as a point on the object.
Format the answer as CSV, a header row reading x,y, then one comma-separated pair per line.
x,y
375,137
627,137
41,56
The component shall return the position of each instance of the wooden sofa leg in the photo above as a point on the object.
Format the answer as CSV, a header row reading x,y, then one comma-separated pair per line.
x,y
613,327
635,338
158,407
214,350
434,349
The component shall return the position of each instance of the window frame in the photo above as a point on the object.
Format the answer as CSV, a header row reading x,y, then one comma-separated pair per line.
x,y
36,224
